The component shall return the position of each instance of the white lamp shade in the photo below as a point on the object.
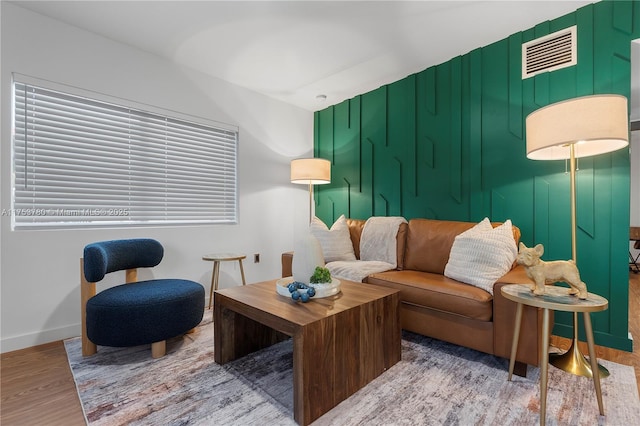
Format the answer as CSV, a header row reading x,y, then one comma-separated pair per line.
x,y
314,171
595,124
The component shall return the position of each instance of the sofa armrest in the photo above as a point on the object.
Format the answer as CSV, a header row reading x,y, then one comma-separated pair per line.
x,y
287,261
504,317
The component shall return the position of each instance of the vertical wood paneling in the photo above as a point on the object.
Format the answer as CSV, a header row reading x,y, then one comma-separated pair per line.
x,y
401,145
346,154
427,153
541,81
541,88
516,122
455,141
425,146
440,132
324,148
430,95
541,205
585,197
626,25
618,279
495,134
623,16
426,119
498,204
450,143
324,144
584,67
362,208
374,132
476,190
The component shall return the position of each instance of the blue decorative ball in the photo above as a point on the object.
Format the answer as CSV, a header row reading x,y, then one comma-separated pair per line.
x,y
304,297
295,295
292,287
311,291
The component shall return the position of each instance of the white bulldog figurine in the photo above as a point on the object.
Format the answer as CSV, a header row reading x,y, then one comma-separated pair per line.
x,y
542,272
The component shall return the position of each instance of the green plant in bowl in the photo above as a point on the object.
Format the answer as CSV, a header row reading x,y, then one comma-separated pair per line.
x,y
320,275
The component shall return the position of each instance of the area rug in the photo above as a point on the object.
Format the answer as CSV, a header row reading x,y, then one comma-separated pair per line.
x,y
435,383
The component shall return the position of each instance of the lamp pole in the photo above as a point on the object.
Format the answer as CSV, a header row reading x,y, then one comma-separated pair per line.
x,y
310,201
572,360
572,171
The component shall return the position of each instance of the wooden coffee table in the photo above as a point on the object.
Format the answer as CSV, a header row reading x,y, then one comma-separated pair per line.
x,y
340,343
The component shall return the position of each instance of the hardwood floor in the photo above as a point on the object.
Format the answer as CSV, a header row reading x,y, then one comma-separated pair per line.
x,y
37,388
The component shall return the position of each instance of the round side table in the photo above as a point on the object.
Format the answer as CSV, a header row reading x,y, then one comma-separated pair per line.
x,y
222,257
558,299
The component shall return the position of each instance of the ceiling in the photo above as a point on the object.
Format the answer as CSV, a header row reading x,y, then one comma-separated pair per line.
x,y
296,50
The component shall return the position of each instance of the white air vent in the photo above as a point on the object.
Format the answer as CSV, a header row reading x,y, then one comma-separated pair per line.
x,y
549,53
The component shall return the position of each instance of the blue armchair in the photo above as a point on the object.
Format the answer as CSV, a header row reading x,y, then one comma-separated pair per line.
x,y
137,312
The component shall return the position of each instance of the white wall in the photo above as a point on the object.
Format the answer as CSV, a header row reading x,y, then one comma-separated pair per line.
x,y
39,270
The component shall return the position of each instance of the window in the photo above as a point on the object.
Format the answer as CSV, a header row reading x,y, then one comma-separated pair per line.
x,y
80,161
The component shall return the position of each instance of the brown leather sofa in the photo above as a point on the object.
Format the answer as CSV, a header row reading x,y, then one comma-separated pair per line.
x,y
439,307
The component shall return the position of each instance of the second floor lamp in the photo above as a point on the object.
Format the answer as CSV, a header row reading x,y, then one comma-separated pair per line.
x,y
311,171
567,130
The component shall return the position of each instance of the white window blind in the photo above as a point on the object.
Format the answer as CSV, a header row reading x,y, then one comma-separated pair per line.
x,y
79,161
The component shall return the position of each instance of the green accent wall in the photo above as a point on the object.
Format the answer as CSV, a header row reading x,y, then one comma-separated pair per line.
x,y
449,143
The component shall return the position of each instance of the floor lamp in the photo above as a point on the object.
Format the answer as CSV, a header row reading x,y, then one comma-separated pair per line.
x,y
311,171
575,128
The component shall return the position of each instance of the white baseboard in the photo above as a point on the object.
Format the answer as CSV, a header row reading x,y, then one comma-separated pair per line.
x,y
23,341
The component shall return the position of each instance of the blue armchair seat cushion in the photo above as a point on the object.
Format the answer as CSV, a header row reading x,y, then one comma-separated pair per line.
x,y
144,312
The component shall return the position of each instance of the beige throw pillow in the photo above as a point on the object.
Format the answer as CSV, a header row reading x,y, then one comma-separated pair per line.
x,y
335,242
480,256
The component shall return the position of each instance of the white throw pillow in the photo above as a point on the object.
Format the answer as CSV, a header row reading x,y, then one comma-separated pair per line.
x,y
335,242
480,256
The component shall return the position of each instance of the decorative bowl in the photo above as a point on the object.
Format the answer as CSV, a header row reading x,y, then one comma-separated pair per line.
x,y
322,290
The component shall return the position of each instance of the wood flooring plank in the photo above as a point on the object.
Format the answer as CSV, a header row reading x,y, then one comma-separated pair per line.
x,y
37,388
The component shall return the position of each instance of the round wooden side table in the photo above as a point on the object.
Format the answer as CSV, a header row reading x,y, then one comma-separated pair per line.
x,y
222,257
558,299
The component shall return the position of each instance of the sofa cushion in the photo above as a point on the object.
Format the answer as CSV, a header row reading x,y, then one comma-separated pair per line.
x,y
435,291
378,241
429,243
335,242
482,254
355,230
356,270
